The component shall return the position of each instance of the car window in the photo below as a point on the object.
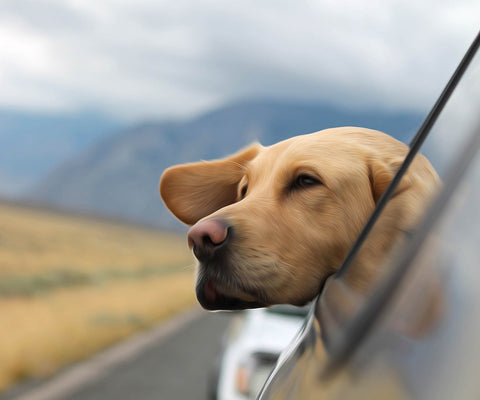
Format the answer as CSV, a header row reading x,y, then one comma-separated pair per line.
x,y
428,319
452,135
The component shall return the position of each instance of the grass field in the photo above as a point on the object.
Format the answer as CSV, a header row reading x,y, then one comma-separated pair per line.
x,y
70,286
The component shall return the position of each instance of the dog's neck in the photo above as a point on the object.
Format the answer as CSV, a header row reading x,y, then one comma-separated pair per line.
x,y
342,297
374,257
336,305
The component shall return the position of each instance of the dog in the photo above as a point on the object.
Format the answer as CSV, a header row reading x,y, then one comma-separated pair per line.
x,y
271,224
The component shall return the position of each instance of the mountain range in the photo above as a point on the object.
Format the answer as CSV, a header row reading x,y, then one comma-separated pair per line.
x,y
32,144
118,175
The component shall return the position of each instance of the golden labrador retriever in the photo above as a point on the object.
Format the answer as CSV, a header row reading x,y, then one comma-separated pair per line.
x,y
270,224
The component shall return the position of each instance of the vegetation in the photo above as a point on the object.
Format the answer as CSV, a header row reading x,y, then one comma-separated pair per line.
x,y
70,286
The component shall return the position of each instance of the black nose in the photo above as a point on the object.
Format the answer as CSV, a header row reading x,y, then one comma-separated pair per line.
x,y
206,237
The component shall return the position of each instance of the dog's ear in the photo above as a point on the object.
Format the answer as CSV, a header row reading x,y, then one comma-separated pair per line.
x,y
193,191
381,174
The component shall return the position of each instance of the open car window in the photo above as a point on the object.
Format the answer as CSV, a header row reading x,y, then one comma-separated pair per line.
x,y
397,341
448,132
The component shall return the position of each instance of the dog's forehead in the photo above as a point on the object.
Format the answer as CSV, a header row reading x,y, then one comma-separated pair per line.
x,y
335,155
311,148
267,159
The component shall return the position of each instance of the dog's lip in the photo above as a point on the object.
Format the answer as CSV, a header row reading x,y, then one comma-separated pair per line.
x,y
211,298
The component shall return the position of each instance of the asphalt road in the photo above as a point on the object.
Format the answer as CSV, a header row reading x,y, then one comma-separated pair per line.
x,y
176,366
175,369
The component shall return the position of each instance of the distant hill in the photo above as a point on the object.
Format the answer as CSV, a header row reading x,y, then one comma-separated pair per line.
x,y
119,176
31,144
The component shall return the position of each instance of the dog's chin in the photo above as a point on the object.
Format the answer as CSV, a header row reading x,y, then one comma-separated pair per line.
x,y
214,298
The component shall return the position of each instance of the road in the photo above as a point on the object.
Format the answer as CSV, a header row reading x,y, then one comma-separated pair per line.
x,y
174,366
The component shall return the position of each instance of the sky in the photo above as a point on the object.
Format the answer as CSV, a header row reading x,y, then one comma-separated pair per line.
x,y
139,59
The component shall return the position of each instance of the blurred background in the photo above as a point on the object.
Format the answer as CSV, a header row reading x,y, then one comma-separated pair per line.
x,y
97,98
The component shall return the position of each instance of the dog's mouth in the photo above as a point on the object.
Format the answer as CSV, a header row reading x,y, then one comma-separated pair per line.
x,y
212,297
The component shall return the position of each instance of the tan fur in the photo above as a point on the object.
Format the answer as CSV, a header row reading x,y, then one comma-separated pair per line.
x,y
287,241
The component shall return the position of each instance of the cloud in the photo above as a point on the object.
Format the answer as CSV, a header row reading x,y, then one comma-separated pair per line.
x,y
151,58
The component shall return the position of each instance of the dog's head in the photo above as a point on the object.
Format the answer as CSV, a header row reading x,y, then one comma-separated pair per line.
x,y
270,224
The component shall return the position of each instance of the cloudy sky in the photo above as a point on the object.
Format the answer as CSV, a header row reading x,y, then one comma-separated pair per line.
x,y
153,58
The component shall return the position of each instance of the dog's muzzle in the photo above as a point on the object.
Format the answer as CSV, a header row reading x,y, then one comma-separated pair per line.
x,y
209,240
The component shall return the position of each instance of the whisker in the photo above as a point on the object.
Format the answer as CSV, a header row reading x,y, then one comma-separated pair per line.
x,y
189,267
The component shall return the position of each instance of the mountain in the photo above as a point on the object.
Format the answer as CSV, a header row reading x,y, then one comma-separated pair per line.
x,y
31,144
119,176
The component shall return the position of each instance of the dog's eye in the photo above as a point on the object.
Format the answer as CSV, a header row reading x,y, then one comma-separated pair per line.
x,y
243,191
304,181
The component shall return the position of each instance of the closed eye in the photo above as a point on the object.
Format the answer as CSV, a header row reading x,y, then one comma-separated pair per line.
x,y
305,181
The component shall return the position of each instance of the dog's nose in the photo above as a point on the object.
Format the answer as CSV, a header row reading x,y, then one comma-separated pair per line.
x,y
205,237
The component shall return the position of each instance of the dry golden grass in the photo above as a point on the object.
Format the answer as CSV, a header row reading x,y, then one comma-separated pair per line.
x,y
34,240
77,285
